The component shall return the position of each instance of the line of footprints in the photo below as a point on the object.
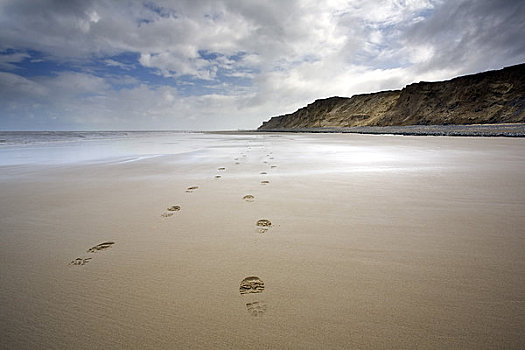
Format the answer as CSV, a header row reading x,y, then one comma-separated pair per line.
x,y
250,286
84,260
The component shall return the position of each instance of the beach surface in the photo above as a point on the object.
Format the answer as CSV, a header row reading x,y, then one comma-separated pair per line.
x,y
263,240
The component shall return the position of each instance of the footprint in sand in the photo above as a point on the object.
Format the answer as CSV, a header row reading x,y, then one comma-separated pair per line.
x,y
263,225
101,246
98,247
218,176
256,308
251,284
249,198
170,211
273,166
80,261
265,182
221,169
192,188
250,288
263,173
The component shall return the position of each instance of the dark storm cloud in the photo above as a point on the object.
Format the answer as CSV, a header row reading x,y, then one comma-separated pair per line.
x,y
472,35
21,18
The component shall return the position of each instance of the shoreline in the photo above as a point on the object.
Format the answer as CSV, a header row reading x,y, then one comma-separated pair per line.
x,y
475,130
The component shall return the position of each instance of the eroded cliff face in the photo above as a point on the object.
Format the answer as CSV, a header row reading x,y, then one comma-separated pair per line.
x,y
489,97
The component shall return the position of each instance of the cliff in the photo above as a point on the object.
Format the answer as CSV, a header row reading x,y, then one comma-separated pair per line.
x,y
483,98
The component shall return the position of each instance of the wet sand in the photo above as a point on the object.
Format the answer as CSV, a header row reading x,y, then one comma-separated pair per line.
x,y
355,241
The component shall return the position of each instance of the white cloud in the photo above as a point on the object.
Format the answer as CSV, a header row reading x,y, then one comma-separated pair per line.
x,y
69,84
14,87
171,64
113,63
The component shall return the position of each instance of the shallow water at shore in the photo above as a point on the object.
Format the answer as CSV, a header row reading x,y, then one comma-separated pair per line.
x,y
354,242
67,147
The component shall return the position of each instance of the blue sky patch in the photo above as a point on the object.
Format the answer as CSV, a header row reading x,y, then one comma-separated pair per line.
x,y
127,66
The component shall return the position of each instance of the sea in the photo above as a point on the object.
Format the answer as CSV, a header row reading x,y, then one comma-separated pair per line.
x,y
65,147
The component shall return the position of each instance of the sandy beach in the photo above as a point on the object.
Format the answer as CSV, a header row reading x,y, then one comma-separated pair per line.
x,y
370,242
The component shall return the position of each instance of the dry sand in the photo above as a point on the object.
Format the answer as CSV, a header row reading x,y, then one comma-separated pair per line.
x,y
371,242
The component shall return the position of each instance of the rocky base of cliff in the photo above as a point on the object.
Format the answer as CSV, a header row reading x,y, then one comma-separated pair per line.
x,y
488,130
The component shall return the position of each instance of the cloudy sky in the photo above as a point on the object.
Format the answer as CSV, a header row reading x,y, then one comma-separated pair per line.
x,y
231,64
